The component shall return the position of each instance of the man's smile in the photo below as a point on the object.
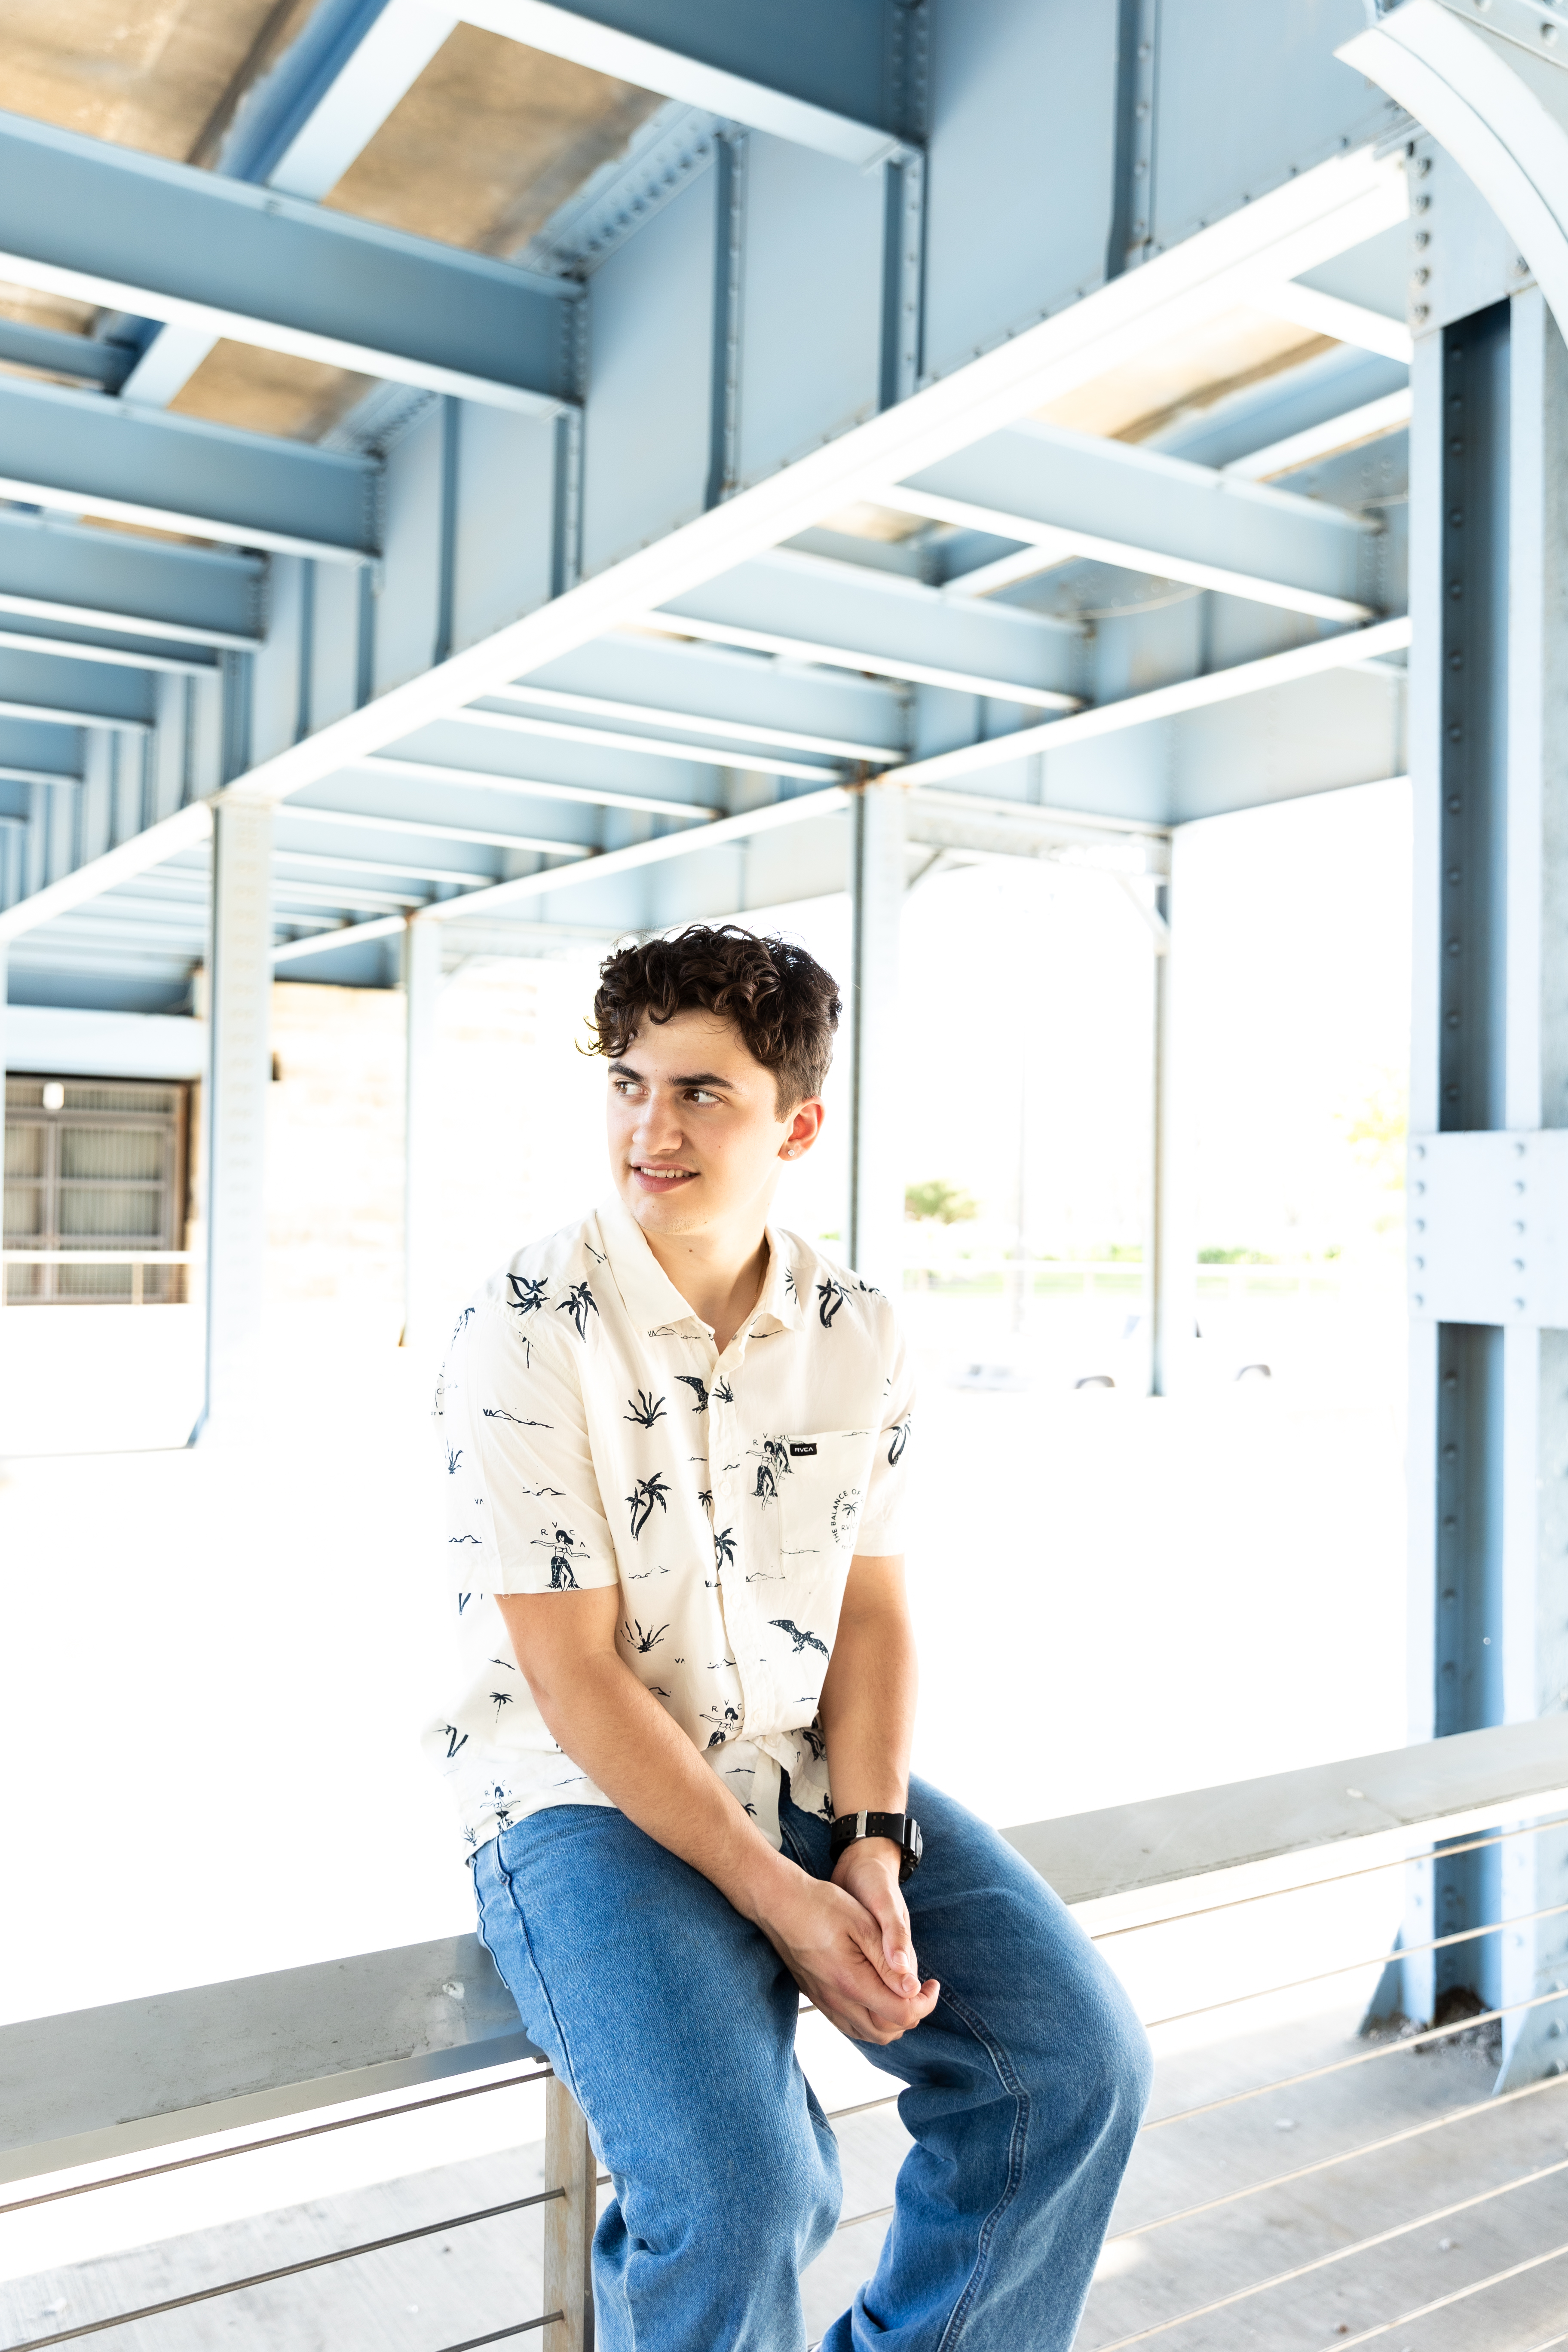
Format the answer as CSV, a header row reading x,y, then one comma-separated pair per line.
x,y
656,1179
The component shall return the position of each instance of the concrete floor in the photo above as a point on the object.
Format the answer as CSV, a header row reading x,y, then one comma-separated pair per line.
x,y
446,2289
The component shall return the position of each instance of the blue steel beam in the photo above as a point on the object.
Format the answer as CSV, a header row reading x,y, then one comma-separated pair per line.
x,y
72,694
837,75
134,233
68,572
76,450
850,617
1064,494
24,345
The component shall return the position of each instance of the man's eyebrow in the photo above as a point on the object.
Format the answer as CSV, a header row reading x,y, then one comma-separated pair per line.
x,y
695,1078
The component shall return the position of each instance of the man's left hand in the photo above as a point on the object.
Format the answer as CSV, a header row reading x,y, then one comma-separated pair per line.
x,y
868,1870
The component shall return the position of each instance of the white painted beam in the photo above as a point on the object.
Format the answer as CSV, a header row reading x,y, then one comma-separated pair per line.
x,y
1347,431
384,67
605,738
829,746
1055,544
1330,314
383,926
1163,702
357,820
127,625
534,787
879,665
113,656
562,33
744,827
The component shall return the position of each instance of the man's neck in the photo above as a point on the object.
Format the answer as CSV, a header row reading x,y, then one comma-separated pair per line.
x,y
720,1276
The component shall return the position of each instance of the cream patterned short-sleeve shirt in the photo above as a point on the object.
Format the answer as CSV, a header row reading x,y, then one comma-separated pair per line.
x,y
593,1437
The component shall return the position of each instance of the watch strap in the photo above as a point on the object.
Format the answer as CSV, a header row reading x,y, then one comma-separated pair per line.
x,y
902,1829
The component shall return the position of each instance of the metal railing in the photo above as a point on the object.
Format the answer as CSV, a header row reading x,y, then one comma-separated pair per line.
x,y
107,2081
136,1259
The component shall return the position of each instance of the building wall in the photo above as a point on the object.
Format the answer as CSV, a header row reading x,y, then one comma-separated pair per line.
x,y
519,1115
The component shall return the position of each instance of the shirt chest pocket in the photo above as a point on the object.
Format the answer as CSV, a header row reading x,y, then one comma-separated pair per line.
x,y
821,1493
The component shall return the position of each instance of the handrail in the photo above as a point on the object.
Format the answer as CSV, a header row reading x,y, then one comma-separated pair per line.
x,y
101,2082
105,2083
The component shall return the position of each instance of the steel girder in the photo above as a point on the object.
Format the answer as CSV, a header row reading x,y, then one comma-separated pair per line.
x,y
1067,494
841,75
75,451
164,240
56,571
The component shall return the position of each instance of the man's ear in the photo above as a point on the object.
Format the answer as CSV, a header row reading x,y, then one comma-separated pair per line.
x,y
804,1127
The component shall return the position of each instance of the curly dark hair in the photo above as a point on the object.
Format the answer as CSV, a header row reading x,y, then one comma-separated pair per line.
x,y
783,1005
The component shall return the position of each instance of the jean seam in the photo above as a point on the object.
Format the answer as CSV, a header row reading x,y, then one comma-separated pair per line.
x,y
1015,2153
504,1874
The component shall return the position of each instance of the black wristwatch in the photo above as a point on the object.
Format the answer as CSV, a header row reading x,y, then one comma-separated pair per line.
x,y
903,1828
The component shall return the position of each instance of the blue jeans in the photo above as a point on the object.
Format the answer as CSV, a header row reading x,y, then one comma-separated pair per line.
x,y
672,2020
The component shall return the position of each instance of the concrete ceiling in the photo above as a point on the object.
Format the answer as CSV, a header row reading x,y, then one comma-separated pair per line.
x,y
490,140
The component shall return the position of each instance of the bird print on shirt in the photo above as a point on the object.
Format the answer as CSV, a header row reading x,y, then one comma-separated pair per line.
x,y
698,1389
802,1641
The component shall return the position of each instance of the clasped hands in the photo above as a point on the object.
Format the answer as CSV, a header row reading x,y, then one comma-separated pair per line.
x,y
848,1947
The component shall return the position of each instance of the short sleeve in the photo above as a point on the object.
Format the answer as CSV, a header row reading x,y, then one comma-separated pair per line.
x,y
881,1532
524,1513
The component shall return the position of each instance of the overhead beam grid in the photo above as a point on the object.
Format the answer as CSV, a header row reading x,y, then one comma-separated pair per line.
x,y
104,225
775,677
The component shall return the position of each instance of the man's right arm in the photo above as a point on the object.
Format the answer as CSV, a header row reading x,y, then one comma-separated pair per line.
x,y
607,1723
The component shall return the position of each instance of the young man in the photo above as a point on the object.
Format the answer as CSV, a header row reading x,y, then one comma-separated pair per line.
x,y
677,1439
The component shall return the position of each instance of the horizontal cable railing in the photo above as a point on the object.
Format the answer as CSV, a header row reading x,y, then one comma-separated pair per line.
x,y
136,1259
105,2081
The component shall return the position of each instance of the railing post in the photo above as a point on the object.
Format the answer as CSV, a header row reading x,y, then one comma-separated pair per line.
x,y
569,2165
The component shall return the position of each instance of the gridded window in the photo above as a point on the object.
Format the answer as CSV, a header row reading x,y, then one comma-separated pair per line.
x,y
94,1164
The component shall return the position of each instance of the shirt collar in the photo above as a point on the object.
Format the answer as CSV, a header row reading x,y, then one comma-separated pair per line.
x,y
652,1299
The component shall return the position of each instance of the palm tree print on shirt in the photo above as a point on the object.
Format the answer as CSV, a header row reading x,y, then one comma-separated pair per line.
x,y
899,1440
564,1549
579,1303
649,1491
724,1546
645,1409
830,1298
529,1295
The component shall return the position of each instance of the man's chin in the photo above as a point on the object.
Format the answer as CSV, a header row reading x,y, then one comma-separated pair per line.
x,y
672,1211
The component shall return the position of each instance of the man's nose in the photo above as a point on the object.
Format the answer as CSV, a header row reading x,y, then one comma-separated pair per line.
x,y
657,1129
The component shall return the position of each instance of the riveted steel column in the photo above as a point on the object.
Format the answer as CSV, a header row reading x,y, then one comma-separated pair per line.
x,y
1533,1673
239,1072
421,982
877,1170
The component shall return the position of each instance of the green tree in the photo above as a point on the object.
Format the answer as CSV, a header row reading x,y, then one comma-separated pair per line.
x,y
939,1202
